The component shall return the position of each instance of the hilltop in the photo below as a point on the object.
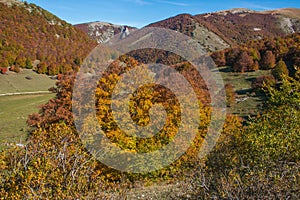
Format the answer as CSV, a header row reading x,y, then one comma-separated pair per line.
x,y
29,33
102,31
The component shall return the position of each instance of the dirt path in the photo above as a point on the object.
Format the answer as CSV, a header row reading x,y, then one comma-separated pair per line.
x,y
25,93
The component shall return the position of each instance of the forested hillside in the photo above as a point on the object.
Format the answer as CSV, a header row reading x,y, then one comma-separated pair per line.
x,y
262,54
254,158
232,27
29,33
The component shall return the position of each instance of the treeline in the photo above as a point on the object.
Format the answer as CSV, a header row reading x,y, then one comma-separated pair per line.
x,y
262,54
29,33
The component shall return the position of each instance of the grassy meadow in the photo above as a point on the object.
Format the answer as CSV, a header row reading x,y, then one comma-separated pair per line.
x,y
14,109
247,102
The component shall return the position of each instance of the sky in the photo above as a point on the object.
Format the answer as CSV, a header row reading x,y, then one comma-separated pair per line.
x,y
139,13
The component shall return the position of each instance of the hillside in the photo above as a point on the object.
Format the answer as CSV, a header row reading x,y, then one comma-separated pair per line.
x,y
232,27
190,26
241,25
215,31
102,31
61,155
55,43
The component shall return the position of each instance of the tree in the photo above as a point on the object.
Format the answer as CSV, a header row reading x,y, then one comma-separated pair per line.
x,y
4,64
243,63
231,56
260,160
268,60
255,54
28,63
15,68
20,61
42,68
219,58
280,70
53,164
230,95
262,83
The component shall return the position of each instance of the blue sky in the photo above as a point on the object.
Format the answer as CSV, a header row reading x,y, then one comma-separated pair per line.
x,y
139,13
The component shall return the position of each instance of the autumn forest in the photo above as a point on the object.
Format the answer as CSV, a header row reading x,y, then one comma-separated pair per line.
x,y
257,155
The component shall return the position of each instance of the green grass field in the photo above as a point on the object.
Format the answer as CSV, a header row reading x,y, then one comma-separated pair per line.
x,y
14,110
14,82
248,102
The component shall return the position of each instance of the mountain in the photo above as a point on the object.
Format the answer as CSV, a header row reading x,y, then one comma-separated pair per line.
x,y
32,37
226,28
103,31
189,25
29,33
215,31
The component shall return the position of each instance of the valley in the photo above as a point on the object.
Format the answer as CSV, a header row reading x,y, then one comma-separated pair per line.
x,y
68,143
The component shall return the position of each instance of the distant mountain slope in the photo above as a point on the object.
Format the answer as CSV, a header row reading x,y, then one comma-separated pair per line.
x,y
190,26
232,27
102,31
28,33
241,25
288,12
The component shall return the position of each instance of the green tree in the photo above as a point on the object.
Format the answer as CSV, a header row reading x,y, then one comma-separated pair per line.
x,y
280,70
4,63
28,63
42,68
20,61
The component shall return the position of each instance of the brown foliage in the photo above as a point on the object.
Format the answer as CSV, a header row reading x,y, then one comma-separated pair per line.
x,y
262,54
230,95
183,23
238,28
243,63
51,40
262,83
268,60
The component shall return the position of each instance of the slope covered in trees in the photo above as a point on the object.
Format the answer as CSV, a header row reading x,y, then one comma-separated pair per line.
x,y
254,160
262,54
29,33
241,25
233,27
258,160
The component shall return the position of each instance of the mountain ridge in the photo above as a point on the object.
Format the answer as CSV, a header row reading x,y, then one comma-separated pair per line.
x,y
102,31
218,30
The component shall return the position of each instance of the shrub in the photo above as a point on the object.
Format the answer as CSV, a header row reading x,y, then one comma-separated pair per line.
x,y
262,83
230,95
280,70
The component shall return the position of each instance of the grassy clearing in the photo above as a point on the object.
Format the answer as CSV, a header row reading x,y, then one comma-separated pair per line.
x,y
14,111
13,82
247,102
